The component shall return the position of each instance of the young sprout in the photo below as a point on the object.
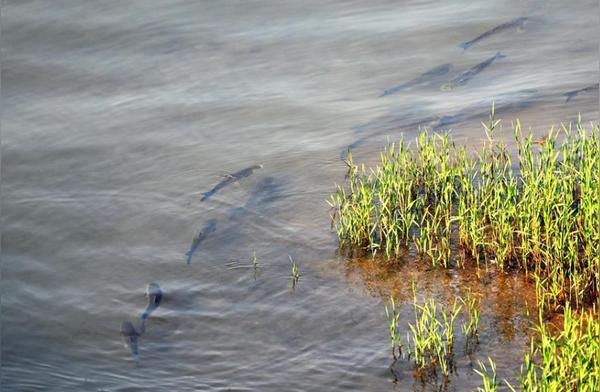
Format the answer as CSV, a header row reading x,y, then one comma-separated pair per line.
x,y
255,263
393,318
490,382
294,273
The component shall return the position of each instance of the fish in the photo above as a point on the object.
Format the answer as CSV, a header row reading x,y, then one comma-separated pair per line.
x,y
572,94
210,227
385,125
433,73
154,296
515,23
464,77
505,103
130,338
394,124
230,179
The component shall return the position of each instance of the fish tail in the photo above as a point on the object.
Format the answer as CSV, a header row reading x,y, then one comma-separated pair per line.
x,y
143,323
465,45
344,154
499,55
205,195
569,96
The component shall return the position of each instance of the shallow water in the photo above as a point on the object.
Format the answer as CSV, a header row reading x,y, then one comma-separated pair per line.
x,y
117,118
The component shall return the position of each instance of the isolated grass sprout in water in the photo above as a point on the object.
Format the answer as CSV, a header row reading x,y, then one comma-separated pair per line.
x,y
543,217
294,273
471,326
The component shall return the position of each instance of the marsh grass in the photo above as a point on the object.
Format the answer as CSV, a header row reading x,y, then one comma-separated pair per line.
x,y
471,325
488,378
567,360
393,318
430,342
540,214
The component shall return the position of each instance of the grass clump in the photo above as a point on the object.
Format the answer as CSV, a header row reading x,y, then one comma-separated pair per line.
x,y
471,326
489,380
565,361
540,214
431,337
393,318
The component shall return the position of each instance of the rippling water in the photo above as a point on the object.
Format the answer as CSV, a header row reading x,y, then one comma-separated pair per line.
x,y
117,116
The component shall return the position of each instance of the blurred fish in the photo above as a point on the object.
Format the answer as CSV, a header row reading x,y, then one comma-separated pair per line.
x,y
154,296
516,23
385,125
230,179
210,227
130,338
433,73
571,94
396,124
464,77
503,103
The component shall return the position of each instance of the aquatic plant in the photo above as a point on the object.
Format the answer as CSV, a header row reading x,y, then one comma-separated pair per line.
x,y
294,273
255,263
490,381
541,216
393,318
471,326
431,337
565,361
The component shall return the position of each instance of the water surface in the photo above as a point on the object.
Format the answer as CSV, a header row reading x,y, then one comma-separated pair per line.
x,y
117,116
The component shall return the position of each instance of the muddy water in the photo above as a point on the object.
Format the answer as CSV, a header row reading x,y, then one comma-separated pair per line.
x,y
117,117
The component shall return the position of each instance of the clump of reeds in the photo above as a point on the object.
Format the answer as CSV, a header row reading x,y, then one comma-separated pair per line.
x,y
471,325
541,216
558,361
565,361
393,324
431,336
489,380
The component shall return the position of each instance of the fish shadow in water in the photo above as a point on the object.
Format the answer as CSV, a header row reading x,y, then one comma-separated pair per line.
x,y
265,192
209,227
392,125
427,77
517,24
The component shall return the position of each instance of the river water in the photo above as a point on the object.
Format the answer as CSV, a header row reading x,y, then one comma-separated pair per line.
x,y
117,116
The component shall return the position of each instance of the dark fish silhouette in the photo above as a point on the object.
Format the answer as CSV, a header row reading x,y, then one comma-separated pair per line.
x,y
210,227
130,338
571,94
395,124
504,104
154,295
230,179
433,73
516,23
386,125
464,77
